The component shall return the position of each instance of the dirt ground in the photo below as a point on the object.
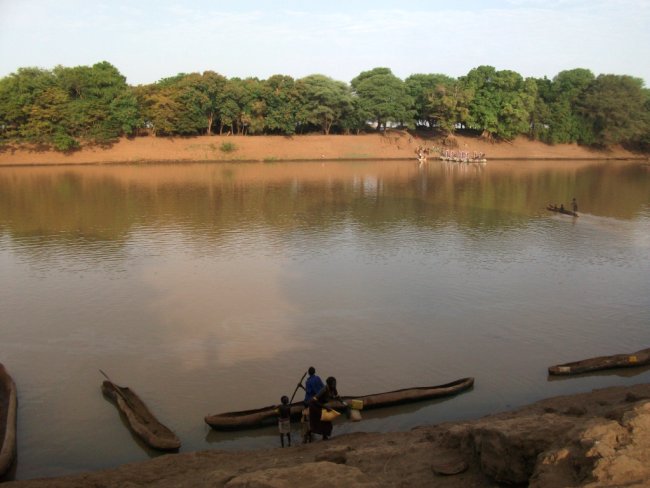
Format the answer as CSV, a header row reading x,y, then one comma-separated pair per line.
x,y
596,439
391,145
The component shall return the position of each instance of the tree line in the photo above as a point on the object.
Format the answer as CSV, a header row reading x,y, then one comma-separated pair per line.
x,y
67,106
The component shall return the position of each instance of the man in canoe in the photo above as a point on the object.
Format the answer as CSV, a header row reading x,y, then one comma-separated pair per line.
x,y
574,204
316,406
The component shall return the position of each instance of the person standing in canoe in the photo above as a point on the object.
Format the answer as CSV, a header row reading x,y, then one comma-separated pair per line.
x,y
574,204
284,420
312,386
316,406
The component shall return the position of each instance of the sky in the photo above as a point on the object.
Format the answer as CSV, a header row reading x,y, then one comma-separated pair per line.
x,y
147,40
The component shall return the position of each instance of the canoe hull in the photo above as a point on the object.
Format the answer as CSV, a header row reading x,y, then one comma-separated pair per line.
x,y
141,421
250,419
639,358
8,414
562,211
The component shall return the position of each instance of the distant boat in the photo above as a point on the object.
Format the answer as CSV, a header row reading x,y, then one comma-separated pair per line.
x,y
8,410
140,419
564,211
464,160
639,358
248,419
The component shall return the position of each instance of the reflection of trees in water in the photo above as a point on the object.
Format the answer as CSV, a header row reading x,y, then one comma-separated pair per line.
x,y
80,207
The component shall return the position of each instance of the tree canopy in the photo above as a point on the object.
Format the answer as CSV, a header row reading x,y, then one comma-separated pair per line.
x,y
68,106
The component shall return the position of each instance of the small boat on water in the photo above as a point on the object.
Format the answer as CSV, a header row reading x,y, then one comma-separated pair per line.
x,y
248,419
140,419
464,160
8,411
463,156
639,358
561,210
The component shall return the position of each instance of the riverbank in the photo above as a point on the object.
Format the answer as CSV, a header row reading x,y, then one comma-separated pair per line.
x,y
595,439
391,145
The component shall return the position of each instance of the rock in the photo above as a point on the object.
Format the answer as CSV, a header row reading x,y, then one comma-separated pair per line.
x,y
601,453
315,475
508,448
337,455
448,463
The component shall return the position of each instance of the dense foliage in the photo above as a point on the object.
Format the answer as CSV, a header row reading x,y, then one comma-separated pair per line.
x,y
65,107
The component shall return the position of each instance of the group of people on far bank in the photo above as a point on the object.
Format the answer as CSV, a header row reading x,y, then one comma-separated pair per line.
x,y
317,395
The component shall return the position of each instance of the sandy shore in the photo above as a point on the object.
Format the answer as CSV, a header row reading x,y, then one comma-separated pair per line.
x,y
596,439
392,145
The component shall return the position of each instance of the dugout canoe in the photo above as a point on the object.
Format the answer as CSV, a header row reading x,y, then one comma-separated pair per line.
x,y
249,419
561,210
639,358
8,410
141,421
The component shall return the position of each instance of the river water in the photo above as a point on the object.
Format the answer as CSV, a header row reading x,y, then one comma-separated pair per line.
x,y
212,287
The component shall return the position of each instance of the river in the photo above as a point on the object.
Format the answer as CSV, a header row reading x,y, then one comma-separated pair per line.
x,y
212,287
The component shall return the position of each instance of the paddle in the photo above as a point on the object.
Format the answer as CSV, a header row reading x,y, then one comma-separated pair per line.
x,y
297,387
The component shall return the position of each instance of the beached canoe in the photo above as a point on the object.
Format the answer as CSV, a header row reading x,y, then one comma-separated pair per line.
x,y
8,410
561,210
248,419
639,358
140,419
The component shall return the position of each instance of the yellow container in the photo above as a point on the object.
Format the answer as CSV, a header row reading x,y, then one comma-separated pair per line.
x,y
356,404
326,416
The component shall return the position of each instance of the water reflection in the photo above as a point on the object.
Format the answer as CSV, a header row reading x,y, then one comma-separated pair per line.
x,y
81,206
212,287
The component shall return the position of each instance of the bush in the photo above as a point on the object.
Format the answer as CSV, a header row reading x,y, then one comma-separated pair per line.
x,y
228,147
64,143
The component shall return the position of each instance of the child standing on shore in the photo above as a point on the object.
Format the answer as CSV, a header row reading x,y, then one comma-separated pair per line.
x,y
284,420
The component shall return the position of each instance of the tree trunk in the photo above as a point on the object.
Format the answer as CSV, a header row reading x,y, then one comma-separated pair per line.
x,y
209,131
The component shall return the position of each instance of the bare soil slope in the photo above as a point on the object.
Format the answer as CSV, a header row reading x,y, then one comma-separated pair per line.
x,y
390,145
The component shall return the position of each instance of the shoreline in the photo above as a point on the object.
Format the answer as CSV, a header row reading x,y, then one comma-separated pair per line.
x,y
596,439
392,145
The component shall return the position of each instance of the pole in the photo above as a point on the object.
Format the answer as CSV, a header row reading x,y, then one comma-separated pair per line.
x,y
297,387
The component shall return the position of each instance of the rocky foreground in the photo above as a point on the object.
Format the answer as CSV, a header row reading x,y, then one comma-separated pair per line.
x,y
597,439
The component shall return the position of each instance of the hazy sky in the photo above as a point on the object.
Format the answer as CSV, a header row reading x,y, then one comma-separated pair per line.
x,y
151,39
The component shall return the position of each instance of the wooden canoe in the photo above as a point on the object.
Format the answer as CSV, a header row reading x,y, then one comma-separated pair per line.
x,y
8,410
639,358
140,419
562,211
248,419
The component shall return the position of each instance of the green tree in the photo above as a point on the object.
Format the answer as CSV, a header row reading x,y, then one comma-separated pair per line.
x,y
502,102
20,95
241,105
282,103
208,87
383,97
91,91
325,102
615,106
439,100
565,122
